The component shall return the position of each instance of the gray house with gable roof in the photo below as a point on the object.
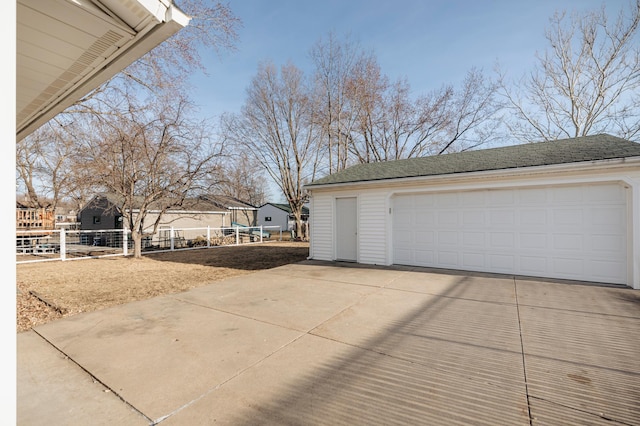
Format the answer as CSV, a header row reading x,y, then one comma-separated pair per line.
x,y
279,214
567,209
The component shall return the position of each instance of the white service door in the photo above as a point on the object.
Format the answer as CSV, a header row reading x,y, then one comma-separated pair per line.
x,y
570,232
346,229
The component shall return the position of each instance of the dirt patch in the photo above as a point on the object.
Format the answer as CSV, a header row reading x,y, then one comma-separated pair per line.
x,y
52,290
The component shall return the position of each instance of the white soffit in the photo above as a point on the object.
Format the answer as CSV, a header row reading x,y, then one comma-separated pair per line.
x,y
67,48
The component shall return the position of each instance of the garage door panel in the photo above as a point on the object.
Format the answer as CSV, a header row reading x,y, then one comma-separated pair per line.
x,y
608,243
567,195
610,217
501,240
603,269
533,241
534,265
405,202
448,259
568,217
571,242
425,238
474,239
502,217
404,237
533,196
448,238
474,260
533,217
566,267
447,200
473,218
500,198
605,194
475,198
404,256
425,257
502,262
403,218
448,218
426,218
576,232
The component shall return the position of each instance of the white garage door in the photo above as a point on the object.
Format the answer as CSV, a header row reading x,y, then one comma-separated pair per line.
x,y
571,232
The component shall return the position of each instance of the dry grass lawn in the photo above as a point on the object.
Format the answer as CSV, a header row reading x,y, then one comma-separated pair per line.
x,y
51,290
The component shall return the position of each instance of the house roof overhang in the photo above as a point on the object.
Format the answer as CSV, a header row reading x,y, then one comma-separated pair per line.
x,y
67,48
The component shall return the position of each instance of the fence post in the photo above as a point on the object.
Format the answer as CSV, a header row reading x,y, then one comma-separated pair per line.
x,y
237,235
125,242
260,233
171,238
208,236
280,232
63,245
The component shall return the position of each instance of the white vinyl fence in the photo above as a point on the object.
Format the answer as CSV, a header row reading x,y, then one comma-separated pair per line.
x,y
61,244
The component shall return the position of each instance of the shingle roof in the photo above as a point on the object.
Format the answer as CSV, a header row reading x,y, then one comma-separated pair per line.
x,y
227,202
587,148
208,203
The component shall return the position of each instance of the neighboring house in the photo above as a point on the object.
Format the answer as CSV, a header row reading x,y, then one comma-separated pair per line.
x,y
33,219
567,209
274,214
67,219
103,213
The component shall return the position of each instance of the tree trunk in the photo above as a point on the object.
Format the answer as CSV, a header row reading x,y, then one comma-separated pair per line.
x,y
137,244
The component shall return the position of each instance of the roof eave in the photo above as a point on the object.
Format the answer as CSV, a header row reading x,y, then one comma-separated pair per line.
x,y
154,33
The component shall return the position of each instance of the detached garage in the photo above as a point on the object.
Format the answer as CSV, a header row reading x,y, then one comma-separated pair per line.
x,y
567,209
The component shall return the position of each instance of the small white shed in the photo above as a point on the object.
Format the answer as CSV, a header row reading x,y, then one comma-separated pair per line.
x,y
567,209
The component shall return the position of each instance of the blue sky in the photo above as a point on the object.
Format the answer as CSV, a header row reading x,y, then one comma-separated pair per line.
x,y
430,42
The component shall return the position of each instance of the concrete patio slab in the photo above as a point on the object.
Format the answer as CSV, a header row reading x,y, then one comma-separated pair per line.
x,y
325,343
472,286
341,272
544,413
614,300
53,390
162,353
287,300
323,382
588,362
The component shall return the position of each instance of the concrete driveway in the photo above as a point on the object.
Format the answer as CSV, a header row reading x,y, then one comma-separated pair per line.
x,y
341,344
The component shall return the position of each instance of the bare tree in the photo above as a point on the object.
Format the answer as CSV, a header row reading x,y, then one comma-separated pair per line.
x,y
393,125
44,164
335,63
150,156
471,114
586,82
276,127
240,176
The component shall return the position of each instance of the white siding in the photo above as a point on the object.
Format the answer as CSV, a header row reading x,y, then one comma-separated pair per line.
x,y
372,229
321,227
